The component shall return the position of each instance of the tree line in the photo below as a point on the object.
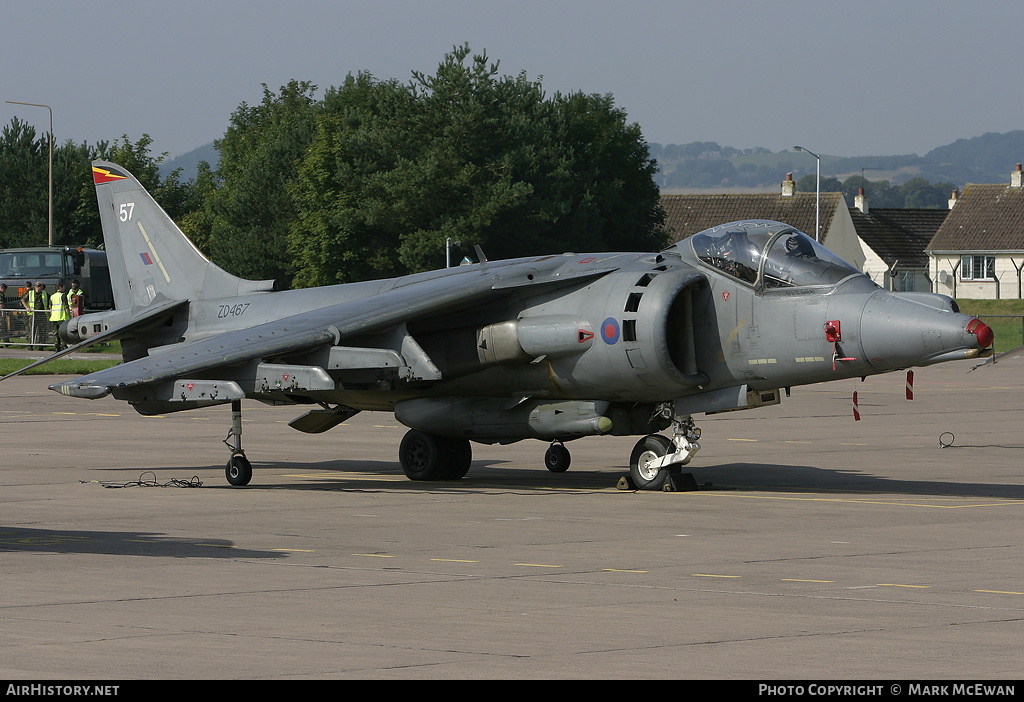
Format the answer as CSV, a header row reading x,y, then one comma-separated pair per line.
x,y
372,179
916,193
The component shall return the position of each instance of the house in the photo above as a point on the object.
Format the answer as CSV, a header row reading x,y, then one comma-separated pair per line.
x,y
893,242
978,252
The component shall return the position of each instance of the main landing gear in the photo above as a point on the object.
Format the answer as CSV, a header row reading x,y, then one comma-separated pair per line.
x,y
428,457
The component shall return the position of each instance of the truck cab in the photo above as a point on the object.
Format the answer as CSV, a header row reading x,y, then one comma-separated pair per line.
x,y
52,264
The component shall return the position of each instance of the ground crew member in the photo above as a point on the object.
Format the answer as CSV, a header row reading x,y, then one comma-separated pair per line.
x,y
60,311
5,321
77,299
37,304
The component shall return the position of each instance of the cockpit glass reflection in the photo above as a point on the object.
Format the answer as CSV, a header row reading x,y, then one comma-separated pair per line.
x,y
770,253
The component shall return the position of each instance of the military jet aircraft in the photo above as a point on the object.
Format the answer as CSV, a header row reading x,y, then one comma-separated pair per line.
x,y
545,347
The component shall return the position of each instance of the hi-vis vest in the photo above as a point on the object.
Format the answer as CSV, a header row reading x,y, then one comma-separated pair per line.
x,y
35,298
59,307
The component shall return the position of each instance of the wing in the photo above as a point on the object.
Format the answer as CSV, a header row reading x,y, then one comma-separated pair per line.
x,y
320,327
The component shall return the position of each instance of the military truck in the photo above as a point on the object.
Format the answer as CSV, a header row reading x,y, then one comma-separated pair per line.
x,y
52,264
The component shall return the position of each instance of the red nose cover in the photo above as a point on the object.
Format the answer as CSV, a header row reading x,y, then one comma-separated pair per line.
x,y
982,331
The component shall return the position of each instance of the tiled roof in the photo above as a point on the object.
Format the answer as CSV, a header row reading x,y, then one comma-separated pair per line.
x,y
898,235
985,218
685,215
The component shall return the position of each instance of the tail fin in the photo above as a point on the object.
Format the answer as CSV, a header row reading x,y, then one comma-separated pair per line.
x,y
148,256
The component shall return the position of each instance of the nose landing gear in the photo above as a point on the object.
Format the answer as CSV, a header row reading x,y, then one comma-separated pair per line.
x,y
654,457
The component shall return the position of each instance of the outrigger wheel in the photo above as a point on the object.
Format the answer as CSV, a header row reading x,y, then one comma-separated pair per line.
x,y
239,470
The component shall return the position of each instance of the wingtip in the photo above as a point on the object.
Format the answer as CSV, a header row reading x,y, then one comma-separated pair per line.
x,y
77,389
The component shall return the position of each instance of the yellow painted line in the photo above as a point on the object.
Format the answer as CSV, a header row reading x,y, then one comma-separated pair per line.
x,y
373,555
539,565
886,503
709,575
754,440
919,587
295,550
453,560
801,580
347,476
619,570
219,545
1001,592
799,442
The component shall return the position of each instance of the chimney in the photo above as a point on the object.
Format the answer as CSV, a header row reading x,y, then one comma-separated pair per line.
x,y
861,201
788,186
952,199
1017,178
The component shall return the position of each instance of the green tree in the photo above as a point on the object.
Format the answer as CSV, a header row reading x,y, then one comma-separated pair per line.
x,y
250,208
23,186
470,155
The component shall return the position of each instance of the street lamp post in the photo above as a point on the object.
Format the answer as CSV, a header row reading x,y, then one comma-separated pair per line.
x,y
50,200
817,202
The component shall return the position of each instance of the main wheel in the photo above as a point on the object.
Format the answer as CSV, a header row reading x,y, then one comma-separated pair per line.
x,y
459,456
557,458
421,456
238,470
646,451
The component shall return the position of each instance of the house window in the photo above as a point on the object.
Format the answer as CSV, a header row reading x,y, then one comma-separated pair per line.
x,y
977,268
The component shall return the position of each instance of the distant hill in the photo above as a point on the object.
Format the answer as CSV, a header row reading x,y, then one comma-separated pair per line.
x,y
189,163
707,165
703,165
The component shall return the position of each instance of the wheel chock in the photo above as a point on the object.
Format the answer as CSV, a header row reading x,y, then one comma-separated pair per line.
x,y
682,482
625,483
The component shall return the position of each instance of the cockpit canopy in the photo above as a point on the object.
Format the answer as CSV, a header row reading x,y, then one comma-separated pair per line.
x,y
772,254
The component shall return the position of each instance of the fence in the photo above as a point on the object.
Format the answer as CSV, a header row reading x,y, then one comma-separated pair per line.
x,y
21,328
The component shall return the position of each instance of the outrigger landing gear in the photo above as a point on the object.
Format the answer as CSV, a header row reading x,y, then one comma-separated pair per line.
x,y
238,470
654,457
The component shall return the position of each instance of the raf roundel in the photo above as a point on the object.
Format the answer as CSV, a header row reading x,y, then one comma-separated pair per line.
x,y
610,331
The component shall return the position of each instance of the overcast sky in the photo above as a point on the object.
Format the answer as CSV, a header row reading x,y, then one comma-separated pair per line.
x,y
871,77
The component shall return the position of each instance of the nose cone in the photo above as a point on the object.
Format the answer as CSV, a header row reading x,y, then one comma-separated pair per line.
x,y
900,332
982,332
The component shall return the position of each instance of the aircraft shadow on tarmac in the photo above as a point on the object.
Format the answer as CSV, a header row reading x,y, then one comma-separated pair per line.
x,y
491,474
121,543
